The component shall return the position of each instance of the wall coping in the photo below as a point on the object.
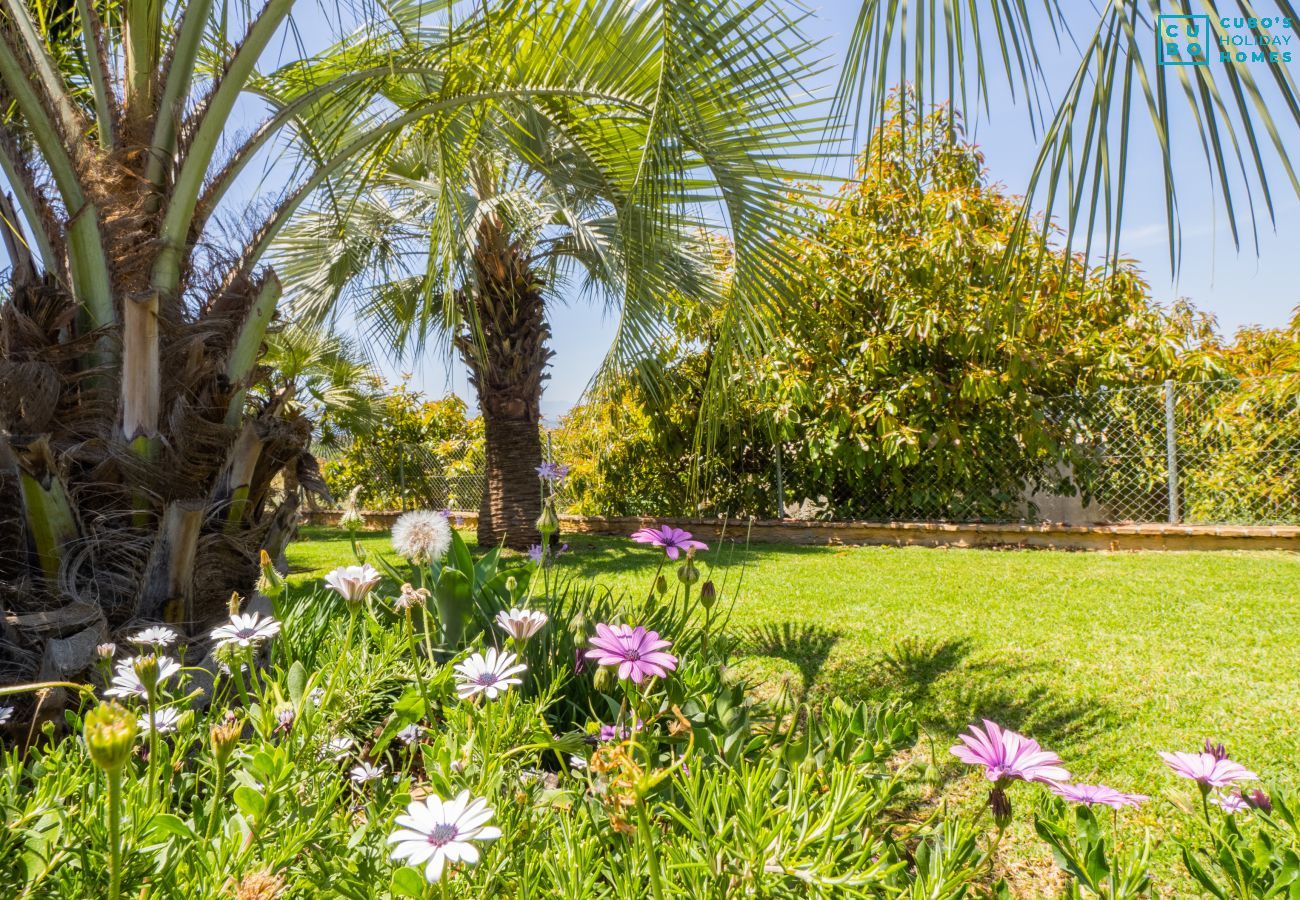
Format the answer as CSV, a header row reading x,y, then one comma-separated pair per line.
x,y
1132,536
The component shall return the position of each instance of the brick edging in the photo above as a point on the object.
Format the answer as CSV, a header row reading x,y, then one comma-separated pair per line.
x,y
927,534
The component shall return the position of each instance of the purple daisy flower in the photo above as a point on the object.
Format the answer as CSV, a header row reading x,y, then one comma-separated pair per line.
x,y
553,472
637,652
673,540
609,733
1007,756
1230,803
1207,769
1097,795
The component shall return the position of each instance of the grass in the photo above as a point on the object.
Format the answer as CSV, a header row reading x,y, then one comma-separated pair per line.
x,y
1104,657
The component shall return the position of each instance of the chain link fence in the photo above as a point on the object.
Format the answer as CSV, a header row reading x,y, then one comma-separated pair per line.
x,y
401,476
1209,452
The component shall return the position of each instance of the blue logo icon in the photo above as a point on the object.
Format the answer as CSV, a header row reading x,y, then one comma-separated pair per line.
x,y
1183,40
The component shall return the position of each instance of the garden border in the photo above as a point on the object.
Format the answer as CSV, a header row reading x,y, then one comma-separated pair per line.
x,y
926,534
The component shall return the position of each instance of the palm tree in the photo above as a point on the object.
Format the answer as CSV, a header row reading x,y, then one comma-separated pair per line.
x,y
467,243
136,464
1244,105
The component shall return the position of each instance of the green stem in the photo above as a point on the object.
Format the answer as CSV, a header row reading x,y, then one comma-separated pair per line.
x,y
416,664
646,832
217,790
114,834
153,747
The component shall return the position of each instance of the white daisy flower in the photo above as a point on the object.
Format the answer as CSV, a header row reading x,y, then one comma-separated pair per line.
x,y
338,748
521,624
126,683
6,713
438,832
492,674
364,773
157,636
165,720
422,536
354,583
246,630
409,735
577,762
316,696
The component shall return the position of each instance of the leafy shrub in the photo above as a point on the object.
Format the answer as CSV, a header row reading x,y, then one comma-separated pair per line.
x,y
418,452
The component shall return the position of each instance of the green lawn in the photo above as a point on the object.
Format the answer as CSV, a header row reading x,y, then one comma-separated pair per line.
x,y
1104,657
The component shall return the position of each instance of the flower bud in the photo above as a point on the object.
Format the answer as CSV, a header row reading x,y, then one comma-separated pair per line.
x,y
1257,799
511,585
146,669
106,651
687,574
661,585
708,594
548,523
605,679
232,605
284,719
271,584
1000,804
110,735
224,737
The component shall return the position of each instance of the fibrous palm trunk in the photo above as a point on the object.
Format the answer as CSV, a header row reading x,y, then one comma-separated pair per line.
x,y
507,356
136,476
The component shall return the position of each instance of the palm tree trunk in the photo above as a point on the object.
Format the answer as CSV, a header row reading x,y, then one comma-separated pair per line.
x,y
504,346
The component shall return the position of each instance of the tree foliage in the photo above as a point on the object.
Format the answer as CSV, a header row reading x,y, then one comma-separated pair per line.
x,y
418,452
913,384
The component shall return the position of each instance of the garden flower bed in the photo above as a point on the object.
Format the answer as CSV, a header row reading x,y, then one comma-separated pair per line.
x,y
431,724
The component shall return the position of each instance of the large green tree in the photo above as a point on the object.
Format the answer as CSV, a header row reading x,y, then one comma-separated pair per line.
x,y
691,123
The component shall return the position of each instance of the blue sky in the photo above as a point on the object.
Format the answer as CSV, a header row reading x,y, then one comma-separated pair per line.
x,y
1238,288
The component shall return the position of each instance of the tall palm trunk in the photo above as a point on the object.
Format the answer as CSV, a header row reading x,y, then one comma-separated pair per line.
x,y
507,355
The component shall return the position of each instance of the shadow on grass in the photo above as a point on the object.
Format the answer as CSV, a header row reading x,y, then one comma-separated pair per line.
x,y
947,683
806,647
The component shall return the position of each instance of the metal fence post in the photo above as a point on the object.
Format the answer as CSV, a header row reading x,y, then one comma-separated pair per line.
x,y
780,485
401,482
1171,453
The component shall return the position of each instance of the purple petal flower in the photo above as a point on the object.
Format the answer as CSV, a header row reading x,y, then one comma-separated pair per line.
x,y
637,653
1207,769
673,540
1097,795
1230,803
535,553
615,733
1006,755
553,472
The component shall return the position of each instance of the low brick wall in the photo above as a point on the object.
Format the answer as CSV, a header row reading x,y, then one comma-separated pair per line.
x,y
924,534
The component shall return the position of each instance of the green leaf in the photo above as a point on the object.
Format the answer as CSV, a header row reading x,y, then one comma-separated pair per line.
x,y
250,802
297,681
408,882
460,557
408,710
166,824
